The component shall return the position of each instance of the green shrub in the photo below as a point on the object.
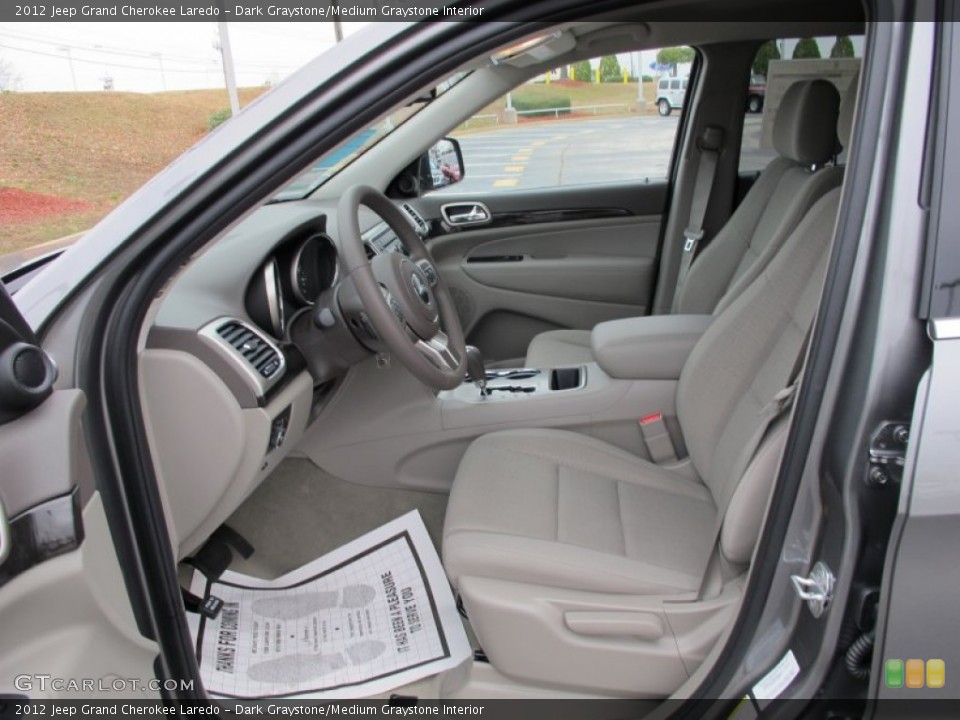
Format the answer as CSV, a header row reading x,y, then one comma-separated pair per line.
x,y
582,71
806,48
541,107
842,48
648,78
767,52
610,69
219,118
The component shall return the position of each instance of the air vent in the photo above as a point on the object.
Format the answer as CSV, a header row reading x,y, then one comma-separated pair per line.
x,y
257,351
419,224
369,250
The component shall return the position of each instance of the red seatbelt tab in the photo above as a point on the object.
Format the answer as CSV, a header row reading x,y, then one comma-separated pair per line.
x,y
658,441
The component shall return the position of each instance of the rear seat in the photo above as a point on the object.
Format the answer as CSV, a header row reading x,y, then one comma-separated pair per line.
x,y
805,137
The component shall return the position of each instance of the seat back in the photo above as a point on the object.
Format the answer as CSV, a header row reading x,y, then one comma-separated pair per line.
x,y
745,357
748,353
804,136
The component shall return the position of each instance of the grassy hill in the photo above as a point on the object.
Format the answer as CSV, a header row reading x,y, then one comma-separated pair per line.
x,y
91,150
94,147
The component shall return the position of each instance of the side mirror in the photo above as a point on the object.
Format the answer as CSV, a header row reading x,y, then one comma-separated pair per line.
x,y
439,167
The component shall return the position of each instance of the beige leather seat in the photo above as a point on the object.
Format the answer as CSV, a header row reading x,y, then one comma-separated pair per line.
x,y
580,564
804,136
542,524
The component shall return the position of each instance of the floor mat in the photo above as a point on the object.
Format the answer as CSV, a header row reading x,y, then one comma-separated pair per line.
x,y
370,616
300,513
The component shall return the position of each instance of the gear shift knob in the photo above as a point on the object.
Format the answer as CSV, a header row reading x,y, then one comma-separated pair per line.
x,y
476,372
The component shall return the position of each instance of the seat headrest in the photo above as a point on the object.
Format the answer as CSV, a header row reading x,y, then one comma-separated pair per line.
x,y
805,129
847,107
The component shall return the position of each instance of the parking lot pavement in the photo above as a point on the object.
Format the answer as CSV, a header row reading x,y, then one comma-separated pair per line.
x,y
574,152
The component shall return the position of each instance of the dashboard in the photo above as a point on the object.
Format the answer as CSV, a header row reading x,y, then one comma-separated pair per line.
x,y
305,265
293,277
234,307
234,367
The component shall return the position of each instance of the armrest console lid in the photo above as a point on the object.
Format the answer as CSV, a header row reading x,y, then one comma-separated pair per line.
x,y
647,348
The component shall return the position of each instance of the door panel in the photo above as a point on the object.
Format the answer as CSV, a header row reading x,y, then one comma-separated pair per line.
x,y
68,627
69,631
63,602
564,258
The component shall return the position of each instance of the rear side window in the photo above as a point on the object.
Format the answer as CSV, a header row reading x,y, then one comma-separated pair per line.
x,y
674,84
778,64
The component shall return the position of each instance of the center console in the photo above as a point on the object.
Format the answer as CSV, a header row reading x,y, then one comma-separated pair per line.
x,y
404,435
502,385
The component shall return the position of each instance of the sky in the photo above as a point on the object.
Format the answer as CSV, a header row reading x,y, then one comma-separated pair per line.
x,y
68,56
152,57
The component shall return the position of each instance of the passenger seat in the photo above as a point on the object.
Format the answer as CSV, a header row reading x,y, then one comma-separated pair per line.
x,y
805,136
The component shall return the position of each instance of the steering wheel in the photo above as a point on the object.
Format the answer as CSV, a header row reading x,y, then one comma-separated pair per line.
x,y
405,298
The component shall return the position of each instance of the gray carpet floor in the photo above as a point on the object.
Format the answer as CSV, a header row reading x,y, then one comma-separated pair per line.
x,y
300,512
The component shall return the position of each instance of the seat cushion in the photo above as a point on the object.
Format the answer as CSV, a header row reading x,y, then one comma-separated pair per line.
x,y
558,348
557,508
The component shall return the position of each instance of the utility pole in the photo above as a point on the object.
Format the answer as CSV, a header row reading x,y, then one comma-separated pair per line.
x,y
163,76
73,74
229,75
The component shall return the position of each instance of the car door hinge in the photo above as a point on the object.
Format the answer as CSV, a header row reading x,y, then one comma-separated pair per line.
x,y
816,588
888,452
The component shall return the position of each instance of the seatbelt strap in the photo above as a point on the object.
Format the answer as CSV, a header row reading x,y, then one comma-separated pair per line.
x,y
710,145
778,405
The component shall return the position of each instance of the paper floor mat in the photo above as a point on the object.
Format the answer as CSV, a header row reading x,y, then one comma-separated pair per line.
x,y
370,616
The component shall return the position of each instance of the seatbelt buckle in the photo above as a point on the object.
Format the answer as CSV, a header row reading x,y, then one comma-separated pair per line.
x,y
659,443
692,237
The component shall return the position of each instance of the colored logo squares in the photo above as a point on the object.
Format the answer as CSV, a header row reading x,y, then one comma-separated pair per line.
x,y
914,673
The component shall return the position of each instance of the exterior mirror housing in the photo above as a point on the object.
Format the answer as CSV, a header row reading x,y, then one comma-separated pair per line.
x,y
439,167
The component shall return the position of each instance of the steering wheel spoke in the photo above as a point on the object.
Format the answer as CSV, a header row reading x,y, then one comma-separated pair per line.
x,y
429,271
439,352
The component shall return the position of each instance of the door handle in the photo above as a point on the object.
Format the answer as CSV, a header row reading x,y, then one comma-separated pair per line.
x,y
470,213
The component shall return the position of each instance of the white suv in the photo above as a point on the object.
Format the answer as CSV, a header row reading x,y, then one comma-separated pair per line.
x,y
670,94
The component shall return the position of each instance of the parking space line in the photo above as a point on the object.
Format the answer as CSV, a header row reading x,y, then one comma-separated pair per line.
x,y
506,182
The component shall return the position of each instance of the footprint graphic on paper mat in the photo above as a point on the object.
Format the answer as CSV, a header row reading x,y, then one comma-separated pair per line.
x,y
303,668
298,606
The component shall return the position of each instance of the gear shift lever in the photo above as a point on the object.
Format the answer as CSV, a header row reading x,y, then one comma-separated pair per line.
x,y
476,372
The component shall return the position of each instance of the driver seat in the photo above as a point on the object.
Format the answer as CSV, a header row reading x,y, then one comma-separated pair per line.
x,y
583,565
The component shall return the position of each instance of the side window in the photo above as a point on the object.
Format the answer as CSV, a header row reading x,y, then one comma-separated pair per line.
x,y
595,121
780,63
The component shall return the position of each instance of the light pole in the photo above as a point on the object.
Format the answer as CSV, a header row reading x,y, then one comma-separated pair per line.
x,y
73,74
163,76
229,76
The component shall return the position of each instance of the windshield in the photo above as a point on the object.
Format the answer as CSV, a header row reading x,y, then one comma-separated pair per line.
x,y
346,152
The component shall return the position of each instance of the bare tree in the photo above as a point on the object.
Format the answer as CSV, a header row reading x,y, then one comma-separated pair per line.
x,y
10,79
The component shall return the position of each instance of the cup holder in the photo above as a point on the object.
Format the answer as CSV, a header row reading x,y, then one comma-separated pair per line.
x,y
566,378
